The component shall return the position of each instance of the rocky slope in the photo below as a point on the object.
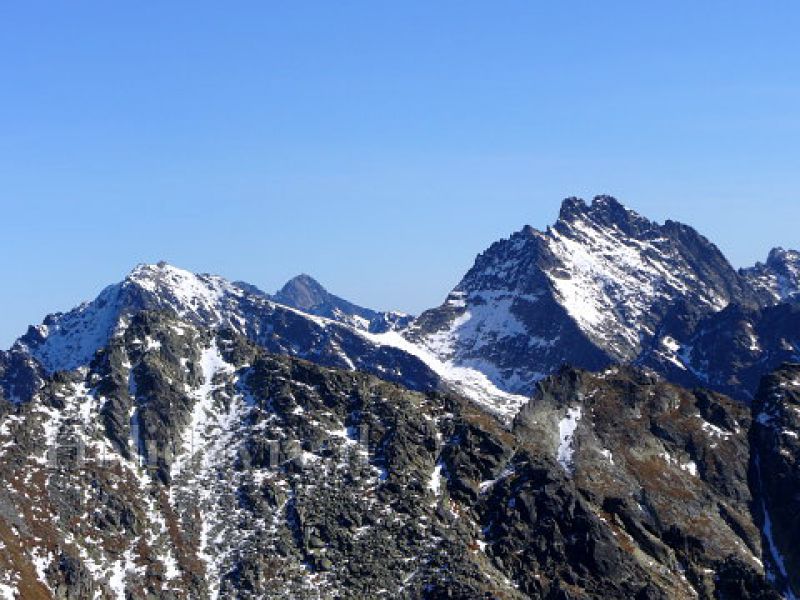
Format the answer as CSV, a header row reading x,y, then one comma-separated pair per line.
x,y
729,351
188,462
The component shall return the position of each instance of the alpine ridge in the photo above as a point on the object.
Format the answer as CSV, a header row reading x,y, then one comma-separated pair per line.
x,y
603,409
307,294
600,286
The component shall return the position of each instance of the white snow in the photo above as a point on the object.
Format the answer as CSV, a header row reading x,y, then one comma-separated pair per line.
x,y
670,351
485,486
472,383
689,466
779,277
435,482
608,455
70,340
714,431
566,434
73,338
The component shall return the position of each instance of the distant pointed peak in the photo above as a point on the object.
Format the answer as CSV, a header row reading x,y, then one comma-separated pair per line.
x,y
303,292
303,281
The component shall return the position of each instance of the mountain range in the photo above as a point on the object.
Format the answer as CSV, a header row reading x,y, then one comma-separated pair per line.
x,y
604,409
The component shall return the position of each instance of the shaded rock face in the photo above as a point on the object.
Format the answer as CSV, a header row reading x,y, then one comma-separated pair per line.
x,y
20,376
776,446
185,462
666,466
595,288
729,351
305,293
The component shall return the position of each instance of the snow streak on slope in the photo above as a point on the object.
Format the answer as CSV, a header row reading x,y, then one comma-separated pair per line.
x,y
488,318
470,382
207,449
566,434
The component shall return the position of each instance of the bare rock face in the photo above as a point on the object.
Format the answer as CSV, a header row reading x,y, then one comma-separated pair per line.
x,y
729,351
665,469
776,447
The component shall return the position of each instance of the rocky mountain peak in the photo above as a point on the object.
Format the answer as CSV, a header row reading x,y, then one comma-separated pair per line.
x,y
571,208
779,277
64,341
305,293
779,256
604,211
593,288
302,292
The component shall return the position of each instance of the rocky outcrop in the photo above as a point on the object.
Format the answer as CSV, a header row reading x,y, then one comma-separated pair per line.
x,y
776,467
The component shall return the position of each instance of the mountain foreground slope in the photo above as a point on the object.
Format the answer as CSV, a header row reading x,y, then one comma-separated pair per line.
x,y
188,463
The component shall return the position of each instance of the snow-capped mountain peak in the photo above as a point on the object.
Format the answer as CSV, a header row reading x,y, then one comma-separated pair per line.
x,y
613,267
65,341
201,298
592,288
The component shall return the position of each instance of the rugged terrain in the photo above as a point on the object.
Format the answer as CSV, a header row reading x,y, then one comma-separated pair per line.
x,y
606,409
184,463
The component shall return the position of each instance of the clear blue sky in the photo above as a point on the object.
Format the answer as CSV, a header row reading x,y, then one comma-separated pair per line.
x,y
377,146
